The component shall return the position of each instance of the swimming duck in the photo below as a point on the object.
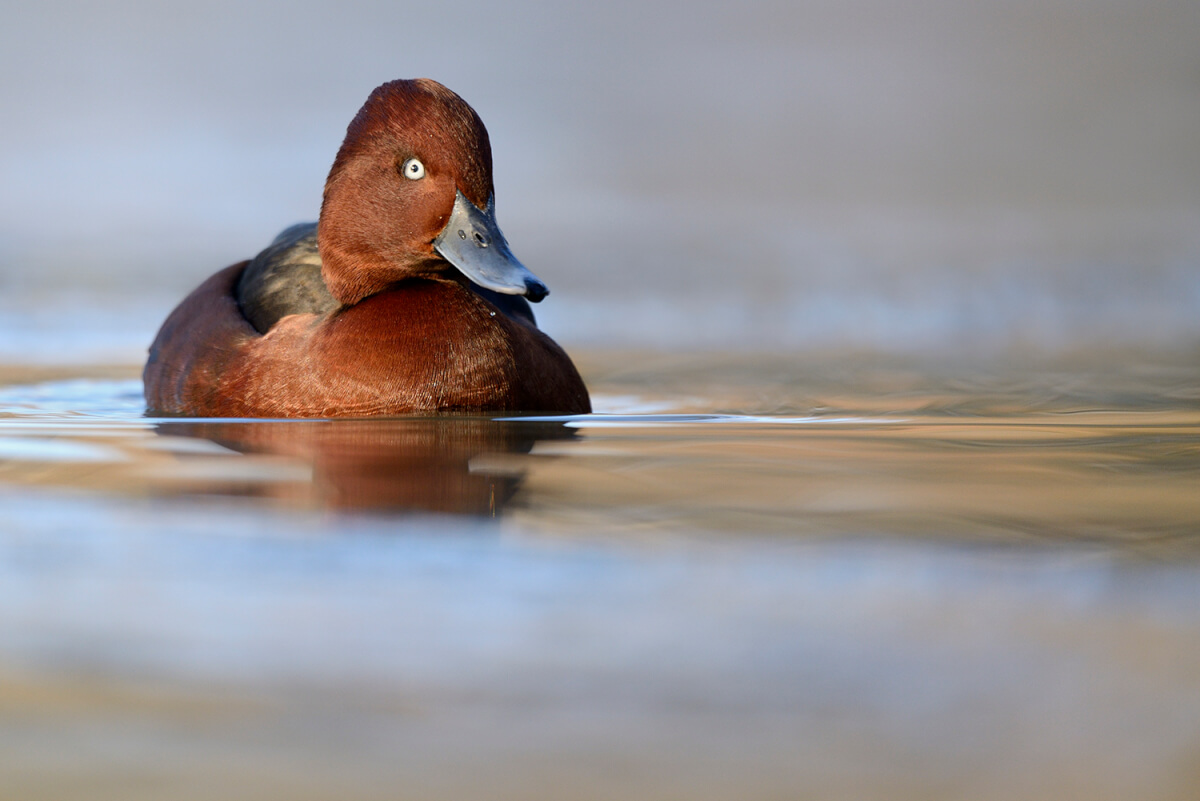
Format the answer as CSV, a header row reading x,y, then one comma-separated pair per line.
x,y
403,298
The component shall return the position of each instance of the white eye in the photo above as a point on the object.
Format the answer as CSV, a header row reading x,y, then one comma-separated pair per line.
x,y
413,169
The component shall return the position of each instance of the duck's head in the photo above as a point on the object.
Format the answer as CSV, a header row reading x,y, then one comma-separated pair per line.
x,y
410,194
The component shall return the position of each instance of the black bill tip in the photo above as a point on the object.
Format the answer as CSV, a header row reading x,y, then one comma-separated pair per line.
x,y
535,290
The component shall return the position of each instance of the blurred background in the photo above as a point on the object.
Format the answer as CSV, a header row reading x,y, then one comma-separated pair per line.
x,y
928,176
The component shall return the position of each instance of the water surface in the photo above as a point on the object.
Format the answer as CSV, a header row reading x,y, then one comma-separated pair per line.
x,y
744,576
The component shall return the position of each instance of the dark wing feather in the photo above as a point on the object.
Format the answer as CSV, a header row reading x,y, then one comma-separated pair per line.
x,y
285,279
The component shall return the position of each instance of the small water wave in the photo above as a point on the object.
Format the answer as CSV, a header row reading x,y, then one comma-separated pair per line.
x,y
74,398
602,420
86,400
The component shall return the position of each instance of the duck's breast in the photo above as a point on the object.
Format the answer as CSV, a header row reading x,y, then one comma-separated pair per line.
x,y
424,346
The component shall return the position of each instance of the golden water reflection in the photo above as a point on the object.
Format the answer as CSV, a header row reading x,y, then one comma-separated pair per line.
x,y
422,464
1123,481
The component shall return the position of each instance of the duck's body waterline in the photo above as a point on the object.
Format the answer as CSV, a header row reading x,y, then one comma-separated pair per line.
x,y
408,302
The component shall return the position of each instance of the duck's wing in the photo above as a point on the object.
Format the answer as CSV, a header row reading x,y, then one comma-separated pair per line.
x,y
285,279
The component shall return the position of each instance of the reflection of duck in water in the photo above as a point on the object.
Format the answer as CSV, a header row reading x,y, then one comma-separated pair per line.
x,y
403,298
419,464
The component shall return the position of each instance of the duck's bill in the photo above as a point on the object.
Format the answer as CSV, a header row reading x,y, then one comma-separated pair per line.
x,y
473,243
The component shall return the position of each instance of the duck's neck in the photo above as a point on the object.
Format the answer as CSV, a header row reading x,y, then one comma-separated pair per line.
x,y
354,266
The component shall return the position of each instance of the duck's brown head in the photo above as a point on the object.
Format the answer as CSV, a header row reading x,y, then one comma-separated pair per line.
x,y
410,194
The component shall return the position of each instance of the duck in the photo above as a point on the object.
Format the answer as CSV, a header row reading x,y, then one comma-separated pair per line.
x,y
403,298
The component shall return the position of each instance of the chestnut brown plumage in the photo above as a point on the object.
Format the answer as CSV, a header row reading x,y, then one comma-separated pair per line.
x,y
407,331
